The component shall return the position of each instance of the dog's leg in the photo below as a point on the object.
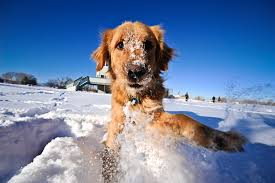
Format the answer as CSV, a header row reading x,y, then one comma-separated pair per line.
x,y
110,156
183,126
115,127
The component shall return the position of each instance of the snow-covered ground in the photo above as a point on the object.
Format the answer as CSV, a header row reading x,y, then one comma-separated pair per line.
x,y
50,135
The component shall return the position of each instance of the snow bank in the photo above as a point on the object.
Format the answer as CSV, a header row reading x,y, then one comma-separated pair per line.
x,y
23,140
62,160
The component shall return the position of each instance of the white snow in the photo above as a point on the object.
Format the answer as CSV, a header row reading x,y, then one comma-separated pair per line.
x,y
50,135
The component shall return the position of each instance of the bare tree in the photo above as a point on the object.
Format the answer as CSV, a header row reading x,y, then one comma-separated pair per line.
x,y
199,98
59,83
19,78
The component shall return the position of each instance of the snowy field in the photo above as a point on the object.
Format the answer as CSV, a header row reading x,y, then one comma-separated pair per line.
x,y
50,135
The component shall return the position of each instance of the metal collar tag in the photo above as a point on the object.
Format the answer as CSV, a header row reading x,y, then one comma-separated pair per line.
x,y
134,101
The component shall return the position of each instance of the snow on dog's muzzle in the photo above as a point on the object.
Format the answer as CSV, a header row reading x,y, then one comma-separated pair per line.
x,y
136,72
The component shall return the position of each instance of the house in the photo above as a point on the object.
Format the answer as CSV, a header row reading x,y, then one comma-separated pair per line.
x,y
100,83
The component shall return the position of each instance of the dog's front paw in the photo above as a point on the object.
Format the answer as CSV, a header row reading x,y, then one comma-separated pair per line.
x,y
109,160
229,141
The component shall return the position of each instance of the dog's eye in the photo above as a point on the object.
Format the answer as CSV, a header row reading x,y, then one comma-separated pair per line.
x,y
120,45
148,45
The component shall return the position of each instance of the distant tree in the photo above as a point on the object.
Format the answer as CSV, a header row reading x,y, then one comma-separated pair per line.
x,y
19,78
29,80
168,92
8,76
223,99
199,98
59,83
186,96
64,81
171,96
269,102
213,99
52,83
24,80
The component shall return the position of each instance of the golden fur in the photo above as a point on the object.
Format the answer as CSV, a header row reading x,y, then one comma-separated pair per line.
x,y
135,42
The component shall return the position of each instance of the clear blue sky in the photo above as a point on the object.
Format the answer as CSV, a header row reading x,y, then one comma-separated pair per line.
x,y
216,41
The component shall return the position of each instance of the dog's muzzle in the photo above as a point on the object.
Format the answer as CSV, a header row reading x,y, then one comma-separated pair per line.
x,y
136,72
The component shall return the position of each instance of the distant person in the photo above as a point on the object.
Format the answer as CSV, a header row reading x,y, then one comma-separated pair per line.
x,y
186,96
219,99
213,99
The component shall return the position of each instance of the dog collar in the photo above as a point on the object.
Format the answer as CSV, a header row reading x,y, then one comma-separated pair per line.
x,y
134,100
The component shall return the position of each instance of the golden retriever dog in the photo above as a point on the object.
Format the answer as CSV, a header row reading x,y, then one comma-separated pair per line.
x,y
137,55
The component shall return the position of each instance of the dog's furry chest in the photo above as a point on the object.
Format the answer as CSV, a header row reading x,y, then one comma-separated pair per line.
x,y
134,113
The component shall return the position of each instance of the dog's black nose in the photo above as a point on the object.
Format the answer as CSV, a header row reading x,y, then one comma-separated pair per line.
x,y
135,72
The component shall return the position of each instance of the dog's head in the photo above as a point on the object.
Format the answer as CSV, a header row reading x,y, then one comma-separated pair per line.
x,y
135,53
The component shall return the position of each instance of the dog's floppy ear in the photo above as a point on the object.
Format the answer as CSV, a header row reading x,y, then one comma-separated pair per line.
x,y
101,54
164,52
